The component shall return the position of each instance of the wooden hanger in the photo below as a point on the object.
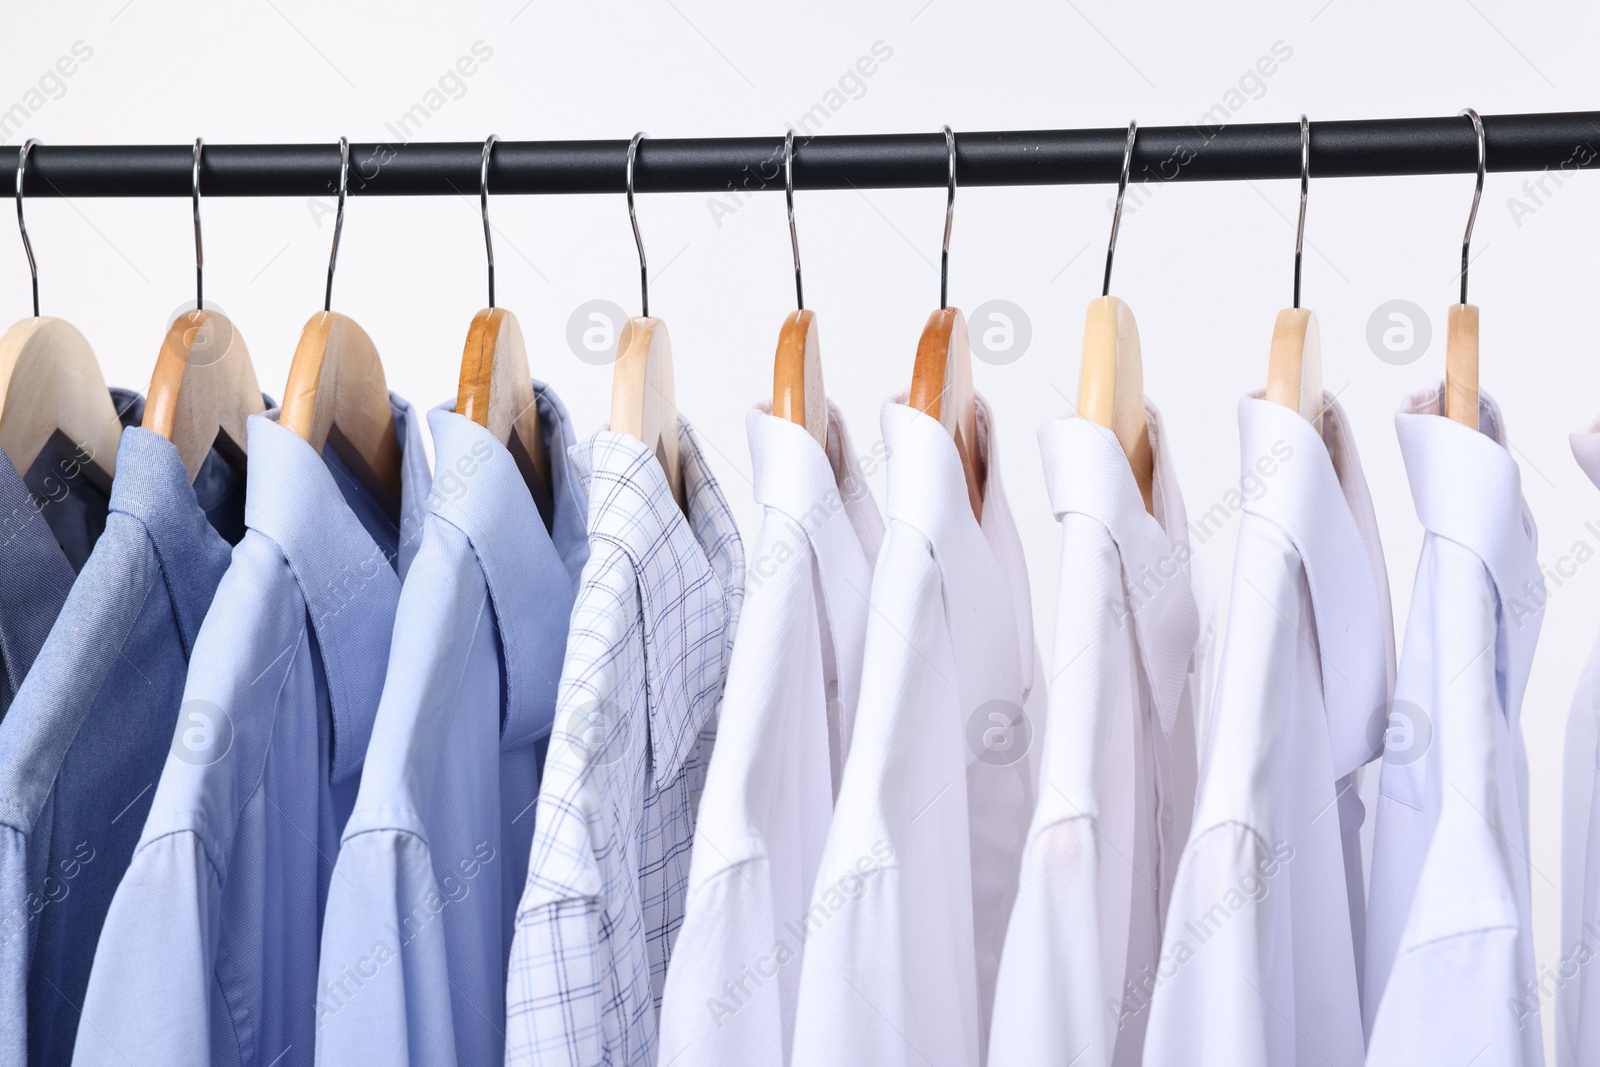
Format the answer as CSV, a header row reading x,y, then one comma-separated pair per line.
x,y
51,388
643,398
1461,344
797,393
1294,363
1111,377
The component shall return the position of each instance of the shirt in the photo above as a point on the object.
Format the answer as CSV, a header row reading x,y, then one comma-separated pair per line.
x,y
225,892
83,745
1450,967
1118,773
49,521
782,736
1260,957
908,916
420,907
646,659
1578,994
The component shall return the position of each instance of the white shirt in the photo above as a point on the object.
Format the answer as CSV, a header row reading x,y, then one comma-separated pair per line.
x,y
1113,810
1450,943
782,733
1260,962
1578,991
916,882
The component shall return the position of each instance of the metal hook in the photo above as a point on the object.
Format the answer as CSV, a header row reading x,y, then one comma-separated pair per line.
x,y
1305,184
949,217
1477,194
27,245
199,252
788,192
644,277
338,220
1116,214
483,206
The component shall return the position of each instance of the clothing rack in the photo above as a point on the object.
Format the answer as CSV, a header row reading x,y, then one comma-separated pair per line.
x,y
1198,152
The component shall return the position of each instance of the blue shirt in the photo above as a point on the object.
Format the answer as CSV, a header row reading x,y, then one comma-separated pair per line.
x,y
83,745
225,893
49,521
420,909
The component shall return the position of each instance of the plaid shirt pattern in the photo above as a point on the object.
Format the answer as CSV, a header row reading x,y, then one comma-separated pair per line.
x,y
646,656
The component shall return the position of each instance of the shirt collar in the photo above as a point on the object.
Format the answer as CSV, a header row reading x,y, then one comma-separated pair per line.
x,y
1311,487
1586,450
153,488
34,579
1087,473
531,573
1467,488
347,578
689,569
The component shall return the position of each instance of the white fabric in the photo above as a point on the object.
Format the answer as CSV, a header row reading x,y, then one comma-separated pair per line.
x,y
920,868
783,730
1450,949
1578,989
1113,808
1260,960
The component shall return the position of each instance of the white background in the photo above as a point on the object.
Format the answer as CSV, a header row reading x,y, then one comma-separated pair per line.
x,y
1204,265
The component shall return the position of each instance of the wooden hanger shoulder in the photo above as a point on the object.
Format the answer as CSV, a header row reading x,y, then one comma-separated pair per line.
x,y
797,393
1294,364
1111,385
1461,365
337,394
50,385
941,386
643,397
496,389
203,389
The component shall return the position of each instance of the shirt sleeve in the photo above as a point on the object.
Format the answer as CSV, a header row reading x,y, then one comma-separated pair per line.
x,y
383,991
17,909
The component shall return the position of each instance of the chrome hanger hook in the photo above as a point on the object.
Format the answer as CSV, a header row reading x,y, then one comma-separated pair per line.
x,y
338,220
483,207
1116,213
1305,185
794,239
199,252
949,217
1477,195
644,276
22,224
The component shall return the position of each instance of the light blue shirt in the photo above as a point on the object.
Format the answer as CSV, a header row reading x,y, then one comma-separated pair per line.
x,y
420,909
82,746
224,897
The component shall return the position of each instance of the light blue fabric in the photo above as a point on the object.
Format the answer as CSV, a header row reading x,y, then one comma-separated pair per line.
x,y
224,897
420,909
83,745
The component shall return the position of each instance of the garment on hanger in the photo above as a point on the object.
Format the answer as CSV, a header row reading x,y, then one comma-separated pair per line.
x,y
904,932
782,737
1450,961
83,744
225,892
422,898
49,522
1578,997
646,660
1119,760
1260,960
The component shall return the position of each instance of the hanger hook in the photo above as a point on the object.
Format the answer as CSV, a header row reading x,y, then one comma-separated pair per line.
x,y
644,277
27,245
949,217
338,220
1305,185
199,253
483,206
1116,214
1477,194
788,192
